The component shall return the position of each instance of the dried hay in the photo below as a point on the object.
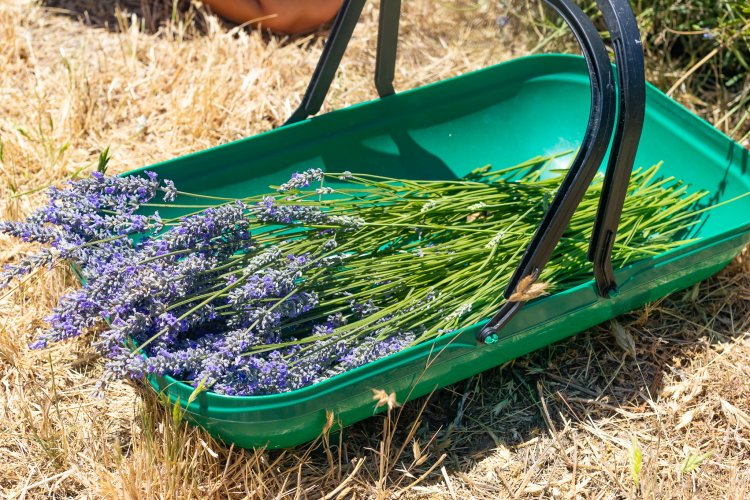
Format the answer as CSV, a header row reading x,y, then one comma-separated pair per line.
x,y
666,417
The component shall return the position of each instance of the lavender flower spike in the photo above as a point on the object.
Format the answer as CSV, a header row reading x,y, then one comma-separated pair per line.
x,y
170,191
299,181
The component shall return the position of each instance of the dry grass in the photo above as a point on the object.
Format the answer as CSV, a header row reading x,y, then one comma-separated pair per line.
x,y
668,383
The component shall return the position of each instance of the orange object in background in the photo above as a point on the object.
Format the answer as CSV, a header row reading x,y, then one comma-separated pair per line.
x,y
282,16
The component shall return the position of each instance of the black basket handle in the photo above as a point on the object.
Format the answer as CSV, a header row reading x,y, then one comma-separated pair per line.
x,y
333,51
621,23
330,59
631,78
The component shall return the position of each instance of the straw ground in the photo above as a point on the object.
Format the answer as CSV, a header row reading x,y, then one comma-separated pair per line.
x,y
656,404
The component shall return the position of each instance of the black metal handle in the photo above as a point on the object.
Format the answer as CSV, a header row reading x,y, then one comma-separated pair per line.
x,y
385,58
333,51
621,23
581,172
631,78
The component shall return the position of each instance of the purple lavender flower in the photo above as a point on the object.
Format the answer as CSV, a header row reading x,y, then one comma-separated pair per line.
x,y
30,231
303,180
371,349
45,257
200,231
170,191
269,212
122,194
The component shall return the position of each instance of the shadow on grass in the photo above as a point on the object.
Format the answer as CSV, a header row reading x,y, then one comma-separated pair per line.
x,y
152,15
108,13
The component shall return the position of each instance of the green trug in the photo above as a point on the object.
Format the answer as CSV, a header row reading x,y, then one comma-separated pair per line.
x,y
502,116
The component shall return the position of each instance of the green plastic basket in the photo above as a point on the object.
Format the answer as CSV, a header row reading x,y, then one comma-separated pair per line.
x,y
501,115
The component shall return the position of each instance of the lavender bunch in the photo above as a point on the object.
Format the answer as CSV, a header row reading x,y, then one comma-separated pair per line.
x,y
275,292
159,294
